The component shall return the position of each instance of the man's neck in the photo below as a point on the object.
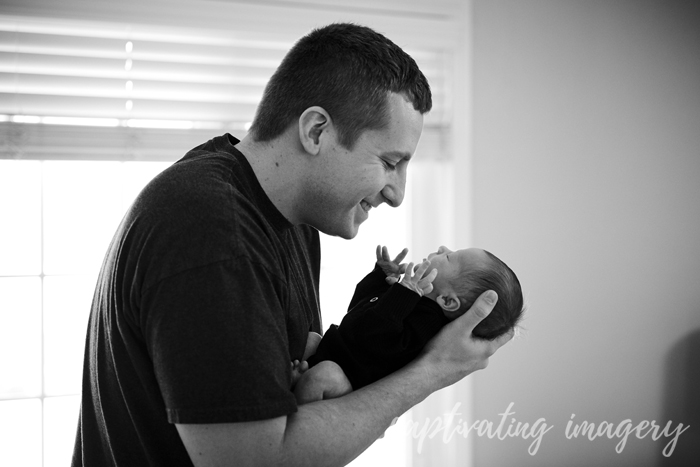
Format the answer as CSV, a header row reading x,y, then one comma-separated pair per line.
x,y
277,168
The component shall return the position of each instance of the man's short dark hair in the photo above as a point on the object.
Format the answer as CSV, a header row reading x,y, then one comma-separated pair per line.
x,y
348,70
500,278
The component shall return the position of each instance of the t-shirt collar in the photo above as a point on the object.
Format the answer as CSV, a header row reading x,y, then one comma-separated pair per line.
x,y
226,143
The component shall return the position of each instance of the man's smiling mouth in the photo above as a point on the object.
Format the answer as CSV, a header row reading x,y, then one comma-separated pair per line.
x,y
365,205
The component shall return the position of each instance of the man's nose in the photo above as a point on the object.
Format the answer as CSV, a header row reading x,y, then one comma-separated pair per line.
x,y
394,191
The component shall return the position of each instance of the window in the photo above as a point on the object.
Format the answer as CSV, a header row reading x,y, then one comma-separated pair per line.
x,y
60,217
93,108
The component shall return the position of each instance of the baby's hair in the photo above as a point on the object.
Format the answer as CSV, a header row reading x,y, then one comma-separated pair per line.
x,y
500,278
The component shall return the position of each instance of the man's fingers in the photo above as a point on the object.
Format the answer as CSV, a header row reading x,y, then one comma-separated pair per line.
x,y
484,304
503,340
499,342
479,310
484,363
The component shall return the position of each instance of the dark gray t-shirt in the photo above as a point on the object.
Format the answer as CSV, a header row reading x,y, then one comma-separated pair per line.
x,y
205,296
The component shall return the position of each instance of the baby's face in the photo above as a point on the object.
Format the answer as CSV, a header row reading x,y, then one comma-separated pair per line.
x,y
450,264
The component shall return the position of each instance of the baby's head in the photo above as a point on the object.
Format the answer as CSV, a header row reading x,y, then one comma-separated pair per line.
x,y
463,275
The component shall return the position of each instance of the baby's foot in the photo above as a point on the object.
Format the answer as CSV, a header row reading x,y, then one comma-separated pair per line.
x,y
298,369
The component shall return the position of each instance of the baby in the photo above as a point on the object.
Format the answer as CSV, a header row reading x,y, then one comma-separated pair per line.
x,y
391,318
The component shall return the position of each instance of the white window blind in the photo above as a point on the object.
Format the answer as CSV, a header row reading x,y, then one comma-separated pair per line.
x,y
120,89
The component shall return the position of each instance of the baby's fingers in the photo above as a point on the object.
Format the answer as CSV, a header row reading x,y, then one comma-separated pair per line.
x,y
426,283
420,269
385,254
430,277
401,256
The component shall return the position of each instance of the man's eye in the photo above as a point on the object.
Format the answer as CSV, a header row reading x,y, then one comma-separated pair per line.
x,y
389,165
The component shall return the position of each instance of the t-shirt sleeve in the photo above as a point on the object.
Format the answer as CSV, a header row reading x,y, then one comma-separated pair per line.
x,y
217,338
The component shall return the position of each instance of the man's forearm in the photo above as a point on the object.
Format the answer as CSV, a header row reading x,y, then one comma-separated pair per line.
x,y
330,432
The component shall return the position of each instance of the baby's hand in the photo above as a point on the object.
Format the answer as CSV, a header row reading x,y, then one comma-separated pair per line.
x,y
392,268
414,278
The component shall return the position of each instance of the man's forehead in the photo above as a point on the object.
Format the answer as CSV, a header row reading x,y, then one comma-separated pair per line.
x,y
404,129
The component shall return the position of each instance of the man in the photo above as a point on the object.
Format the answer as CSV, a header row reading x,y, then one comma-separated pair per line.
x,y
210,287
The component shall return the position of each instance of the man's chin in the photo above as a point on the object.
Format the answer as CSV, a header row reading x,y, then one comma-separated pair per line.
x,y
344,227
350,231
349,234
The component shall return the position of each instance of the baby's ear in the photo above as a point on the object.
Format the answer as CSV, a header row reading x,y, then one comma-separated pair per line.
x,y
449,302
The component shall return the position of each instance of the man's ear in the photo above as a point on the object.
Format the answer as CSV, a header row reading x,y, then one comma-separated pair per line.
x,y
312,123
449,301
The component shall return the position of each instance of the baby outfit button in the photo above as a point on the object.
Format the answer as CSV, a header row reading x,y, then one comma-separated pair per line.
x,y
374,299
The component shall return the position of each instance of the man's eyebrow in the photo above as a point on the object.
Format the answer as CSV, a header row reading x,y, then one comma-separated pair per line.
x,y
398,154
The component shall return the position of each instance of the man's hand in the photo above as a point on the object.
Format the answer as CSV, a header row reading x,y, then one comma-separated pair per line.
x,y
414,278
454,352
392,268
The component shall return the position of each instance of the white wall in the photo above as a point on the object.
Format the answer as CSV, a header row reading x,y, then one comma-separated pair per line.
x,y
587,182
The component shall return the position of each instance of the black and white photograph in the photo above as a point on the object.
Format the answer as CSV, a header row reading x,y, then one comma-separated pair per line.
x,y
374,233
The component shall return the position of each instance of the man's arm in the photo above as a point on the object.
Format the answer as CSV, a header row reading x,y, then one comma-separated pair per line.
x,y
335,431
